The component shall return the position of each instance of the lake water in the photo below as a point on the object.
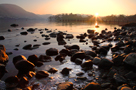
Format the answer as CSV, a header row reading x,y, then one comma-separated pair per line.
x,y
13,38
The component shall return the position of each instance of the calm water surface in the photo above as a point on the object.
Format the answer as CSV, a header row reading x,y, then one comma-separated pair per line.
x,y
13,38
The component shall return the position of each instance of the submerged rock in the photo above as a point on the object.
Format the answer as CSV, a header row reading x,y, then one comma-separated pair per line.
x,y
45,58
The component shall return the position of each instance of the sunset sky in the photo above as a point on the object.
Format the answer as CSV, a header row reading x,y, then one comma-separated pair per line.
x,y
103,7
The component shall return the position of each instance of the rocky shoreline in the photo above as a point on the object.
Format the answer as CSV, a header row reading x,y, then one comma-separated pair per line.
x,y
116,74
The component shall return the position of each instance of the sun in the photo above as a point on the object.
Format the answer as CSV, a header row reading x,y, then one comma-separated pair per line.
x,y
96,14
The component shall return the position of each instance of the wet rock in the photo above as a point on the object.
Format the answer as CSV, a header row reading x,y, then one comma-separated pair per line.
x,y
115,48
69,36
105,63
9,30
72,52
39,63
65,71
96,60
52,70
42,74
80,74
45,58
130,61
82,40
87,64
12,81
119,79
22,28
81,78
23,33
88,57
54,34
2,37
65,86
34,40
52,51
2,70
118,60
46,29
33,58
91,53
80,55
27,47
22,64
60,39
46,43
9,53
72,47
78,61
125,88
131,75
31,30
23,82
105,85
14,25
90,31
60,58
64,52
47,38
92,86
3,57
128,49
16,49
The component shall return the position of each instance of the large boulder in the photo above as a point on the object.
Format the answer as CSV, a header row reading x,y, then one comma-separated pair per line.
x,y
22,64
93,86
52,51
130,61
105,63
65,86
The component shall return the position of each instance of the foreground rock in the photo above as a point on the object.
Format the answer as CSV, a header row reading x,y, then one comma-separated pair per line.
x,y
65,86
12,82
22,64
3,57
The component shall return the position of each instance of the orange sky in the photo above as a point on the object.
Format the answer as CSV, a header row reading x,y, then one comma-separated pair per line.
x,y
103,7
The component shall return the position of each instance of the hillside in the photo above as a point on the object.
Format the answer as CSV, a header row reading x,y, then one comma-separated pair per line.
x,y
14,11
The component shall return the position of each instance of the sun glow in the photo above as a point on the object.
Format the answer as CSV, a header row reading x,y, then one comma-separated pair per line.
x,y
96,14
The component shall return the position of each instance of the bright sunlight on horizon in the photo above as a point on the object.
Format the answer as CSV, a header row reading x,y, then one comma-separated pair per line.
x,y
103,7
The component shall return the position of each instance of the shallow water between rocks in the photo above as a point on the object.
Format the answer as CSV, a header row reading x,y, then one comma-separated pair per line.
x,y
14,38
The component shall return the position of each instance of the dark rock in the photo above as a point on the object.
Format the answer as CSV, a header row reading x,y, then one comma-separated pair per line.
x,y
22,28
64,52
46,43
16,49
92,86
105,85
69,36
14,25
88,57
36,45
31,30
3,57
128,49
52,70
47,38
119,79
91,53
30,74
39,63
9,30
23,82
27,47
12,81
130,61
81,78
118,60
65,71
2,47
46,29
45,58
96,60
105,63
34,40
9,53
131,75
72,47
22,64
82,40
90,31
80,55
23,33
60,58
2,37
65,86
72,52
78,61
87,64
2,70
33,59
80,74
54,34
42,74
52,51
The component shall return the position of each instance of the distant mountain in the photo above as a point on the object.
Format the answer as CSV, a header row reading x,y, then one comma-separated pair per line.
x,y
46,16
13,11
